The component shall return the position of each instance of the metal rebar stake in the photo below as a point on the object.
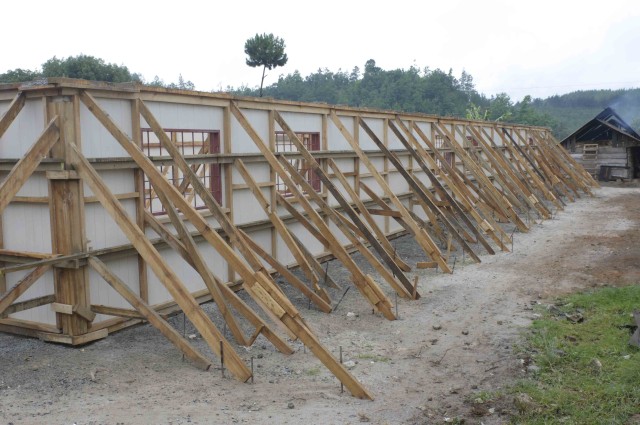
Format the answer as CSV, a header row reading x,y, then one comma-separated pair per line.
x,y
252,369
341,384
222,358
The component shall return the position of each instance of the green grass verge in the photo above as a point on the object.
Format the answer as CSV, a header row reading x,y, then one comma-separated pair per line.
x,y
570,387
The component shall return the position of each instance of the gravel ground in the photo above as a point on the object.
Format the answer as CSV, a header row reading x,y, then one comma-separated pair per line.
x,y
454,342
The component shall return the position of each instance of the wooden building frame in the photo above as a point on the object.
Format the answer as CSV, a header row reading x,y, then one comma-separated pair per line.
x,y
73,210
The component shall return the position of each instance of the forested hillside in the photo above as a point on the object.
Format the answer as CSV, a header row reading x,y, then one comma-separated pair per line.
x,y
430,91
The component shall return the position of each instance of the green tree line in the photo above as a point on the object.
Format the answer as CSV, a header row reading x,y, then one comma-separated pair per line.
x,y
425,90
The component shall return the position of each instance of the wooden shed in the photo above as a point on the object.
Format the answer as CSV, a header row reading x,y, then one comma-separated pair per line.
x,y
606,146
122,203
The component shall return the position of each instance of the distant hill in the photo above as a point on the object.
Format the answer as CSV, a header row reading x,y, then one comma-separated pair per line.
x,y
572,110
430,91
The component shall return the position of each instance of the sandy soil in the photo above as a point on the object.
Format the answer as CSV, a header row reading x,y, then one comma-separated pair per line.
x,y
454,342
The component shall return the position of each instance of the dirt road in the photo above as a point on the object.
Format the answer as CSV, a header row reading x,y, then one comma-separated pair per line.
x,y
454,342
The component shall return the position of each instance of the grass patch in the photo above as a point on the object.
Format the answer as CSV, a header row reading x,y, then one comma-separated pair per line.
x,y
314,371
572,387
373,357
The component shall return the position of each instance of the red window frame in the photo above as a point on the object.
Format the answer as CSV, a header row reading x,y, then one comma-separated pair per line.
x,y
472,141
283,144
189,142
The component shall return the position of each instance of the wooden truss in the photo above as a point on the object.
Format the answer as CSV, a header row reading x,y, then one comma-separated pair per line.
x,y
464,205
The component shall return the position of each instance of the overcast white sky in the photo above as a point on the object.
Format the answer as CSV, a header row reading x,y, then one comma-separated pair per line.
x,y
540,47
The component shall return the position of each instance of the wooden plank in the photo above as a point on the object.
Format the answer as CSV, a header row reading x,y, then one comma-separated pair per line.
x,y
359,278
426,265
167,277
74,339
461,202
423,194
199,187
323,305
21,172
348,229
29,304
150,315
423,239
10,114
201,267
377,245
360,207
278,224
116,311
21,287
62,308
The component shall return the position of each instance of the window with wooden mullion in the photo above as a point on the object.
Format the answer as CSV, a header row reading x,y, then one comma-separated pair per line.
x,y
189,142
283,144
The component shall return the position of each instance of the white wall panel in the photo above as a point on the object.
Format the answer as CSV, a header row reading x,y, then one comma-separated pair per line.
x,y
240,140
97,142
24,130
336,140
42,287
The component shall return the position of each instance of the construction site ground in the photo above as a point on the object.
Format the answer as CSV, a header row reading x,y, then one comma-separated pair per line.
x,y
458,340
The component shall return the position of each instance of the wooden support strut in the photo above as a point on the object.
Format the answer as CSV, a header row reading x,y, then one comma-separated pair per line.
x,y
257,284
482,179
14,109
23,169
150,314
425,161
284,233
440,188
348,229
420,192
423,239
21,287
167,277
360,280
230,296
202,268
366,233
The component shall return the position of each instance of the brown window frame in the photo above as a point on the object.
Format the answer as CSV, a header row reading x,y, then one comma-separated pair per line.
x,y
283,144
189,142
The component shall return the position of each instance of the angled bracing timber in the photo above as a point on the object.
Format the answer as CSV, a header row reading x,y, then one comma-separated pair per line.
x,y
258,284
477,195
449,217
545,184
321,303
355,218
21,287
424,195
350,230
202,268
483,181
421,236
579,175
517,178
503,171
198,186
362,210
461,202
230,296
23,169
14,109
150,314
154,260
527,163
364,283
284,233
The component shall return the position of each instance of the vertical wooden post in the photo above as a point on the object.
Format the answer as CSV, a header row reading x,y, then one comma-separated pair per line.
x,y
138,178
228,179
66,206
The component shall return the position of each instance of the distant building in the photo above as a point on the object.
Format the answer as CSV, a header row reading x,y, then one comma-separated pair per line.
x,y
607,147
